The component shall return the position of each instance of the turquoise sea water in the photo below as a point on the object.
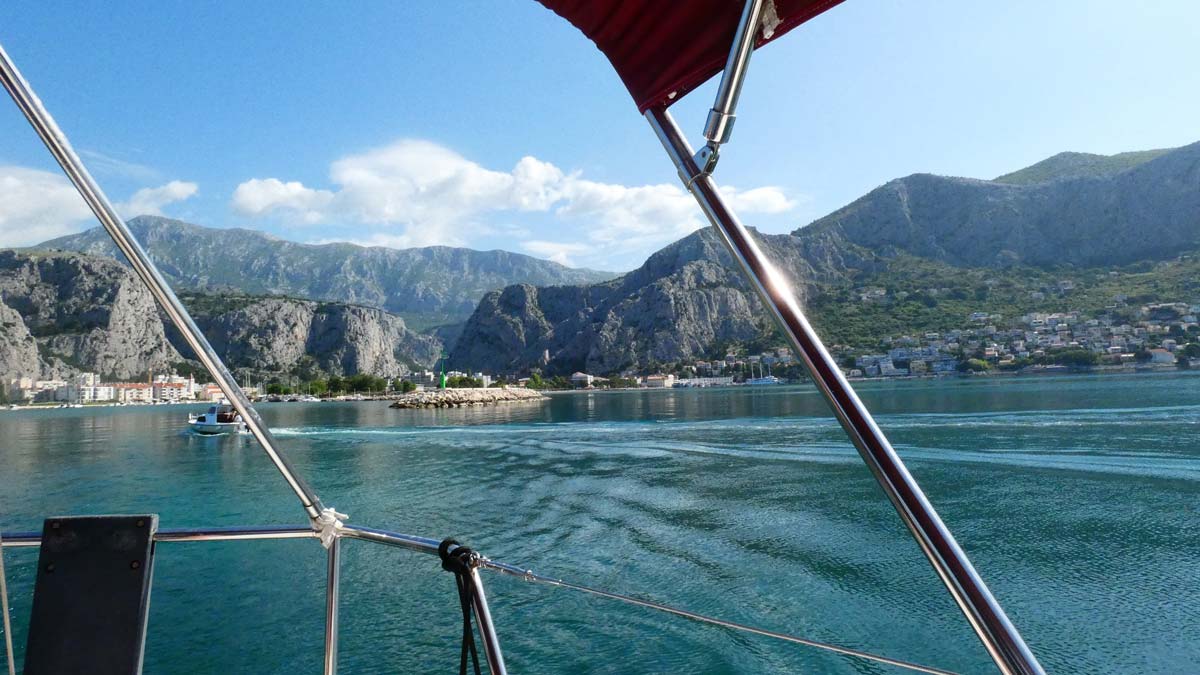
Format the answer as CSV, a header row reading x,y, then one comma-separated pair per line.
x,y
1078,498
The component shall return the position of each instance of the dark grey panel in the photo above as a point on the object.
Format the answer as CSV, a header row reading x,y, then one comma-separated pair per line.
x,y
92,596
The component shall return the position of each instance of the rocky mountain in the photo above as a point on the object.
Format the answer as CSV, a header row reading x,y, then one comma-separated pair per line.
x,y
1149,211
685,299
1085,211
265,335
18,348
62,313
428,286
1069,212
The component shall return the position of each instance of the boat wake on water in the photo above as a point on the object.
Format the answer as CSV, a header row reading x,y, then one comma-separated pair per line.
x,y
1126,441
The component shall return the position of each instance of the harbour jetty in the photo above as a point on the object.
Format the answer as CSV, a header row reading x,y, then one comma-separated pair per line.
x,y
462,398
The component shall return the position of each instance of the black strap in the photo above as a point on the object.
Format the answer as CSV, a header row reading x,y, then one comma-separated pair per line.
x,y
457,560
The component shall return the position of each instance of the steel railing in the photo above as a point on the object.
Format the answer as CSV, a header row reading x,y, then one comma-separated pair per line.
x,y
487,629
491,643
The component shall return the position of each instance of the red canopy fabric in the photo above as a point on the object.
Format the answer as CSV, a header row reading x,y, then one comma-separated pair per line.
x,y
663,49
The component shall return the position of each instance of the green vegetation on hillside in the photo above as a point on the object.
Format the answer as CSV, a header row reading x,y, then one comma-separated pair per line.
x,y
218,303
921,295
1079,165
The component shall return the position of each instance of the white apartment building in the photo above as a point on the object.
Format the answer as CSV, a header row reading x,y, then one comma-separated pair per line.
x,y
659,381
170,391
134,392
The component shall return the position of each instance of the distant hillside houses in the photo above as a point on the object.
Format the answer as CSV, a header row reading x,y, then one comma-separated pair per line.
x,y
1161,334
912,362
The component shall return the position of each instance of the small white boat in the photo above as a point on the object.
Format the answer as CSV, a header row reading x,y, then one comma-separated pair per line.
x,y
220,419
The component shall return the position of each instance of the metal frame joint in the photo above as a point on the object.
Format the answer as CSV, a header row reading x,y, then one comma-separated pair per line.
x,y
328,524
706,159
718,127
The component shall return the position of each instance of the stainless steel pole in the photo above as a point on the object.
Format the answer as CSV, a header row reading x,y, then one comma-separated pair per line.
x,y
408,541
6,624
487,629
719,124
333,577
56,141
985,615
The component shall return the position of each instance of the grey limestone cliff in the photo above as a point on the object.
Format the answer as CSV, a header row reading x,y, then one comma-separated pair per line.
x,y
63,313
18,348
80,312
683,301
265,335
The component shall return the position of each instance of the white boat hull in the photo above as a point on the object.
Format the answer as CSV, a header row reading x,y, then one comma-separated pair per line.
x,y
218,420
212,428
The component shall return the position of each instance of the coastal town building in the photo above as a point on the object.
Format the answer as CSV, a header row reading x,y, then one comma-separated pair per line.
x,y
170,391
1161,356
425,378
134,392
81,388
96,394
659,381
704,381
29,389
185,385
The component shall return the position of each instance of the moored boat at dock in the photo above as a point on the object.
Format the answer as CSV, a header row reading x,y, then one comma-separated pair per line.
x,y
765,380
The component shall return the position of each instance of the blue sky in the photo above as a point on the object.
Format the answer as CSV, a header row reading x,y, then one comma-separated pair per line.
x,y
496,125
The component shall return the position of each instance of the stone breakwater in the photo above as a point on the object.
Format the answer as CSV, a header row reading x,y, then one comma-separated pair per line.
x,y
461,398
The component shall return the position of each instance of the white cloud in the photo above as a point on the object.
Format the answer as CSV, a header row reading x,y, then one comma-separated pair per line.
x,y
767,199
552,250
378,239
536,184
260,196
37,205
150,201
619,212
419,193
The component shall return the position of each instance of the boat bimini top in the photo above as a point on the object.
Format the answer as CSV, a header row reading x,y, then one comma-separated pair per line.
x,y
661,51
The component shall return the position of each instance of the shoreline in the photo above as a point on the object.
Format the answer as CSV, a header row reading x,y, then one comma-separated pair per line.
x,y
1160,370
544,394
